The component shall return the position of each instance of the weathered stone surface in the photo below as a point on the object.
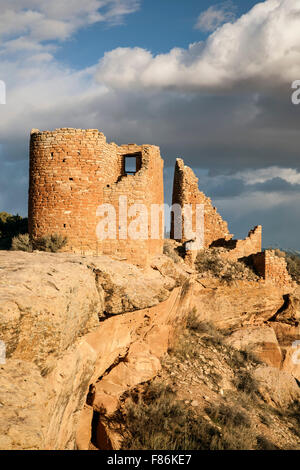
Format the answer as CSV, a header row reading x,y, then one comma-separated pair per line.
x,y
23,398
237,304
83,435
290,314
276,386
185,191
288,337
273,268
138,366
67,386
49,300
179,272
125,287
137,341
260,340
46,302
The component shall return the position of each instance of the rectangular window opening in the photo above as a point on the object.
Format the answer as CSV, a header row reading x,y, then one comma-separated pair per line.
x,y
132,163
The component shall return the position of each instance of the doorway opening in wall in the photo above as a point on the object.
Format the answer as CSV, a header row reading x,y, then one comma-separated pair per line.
x,y
132,163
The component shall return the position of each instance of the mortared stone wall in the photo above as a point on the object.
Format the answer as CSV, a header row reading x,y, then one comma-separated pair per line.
x,y
73,171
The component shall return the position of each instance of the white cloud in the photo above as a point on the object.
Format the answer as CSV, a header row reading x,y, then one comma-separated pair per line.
x,y
250,177
260,49
41,20
215,16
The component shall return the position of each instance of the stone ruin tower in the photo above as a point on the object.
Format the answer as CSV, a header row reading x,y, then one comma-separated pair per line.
x,y
73,171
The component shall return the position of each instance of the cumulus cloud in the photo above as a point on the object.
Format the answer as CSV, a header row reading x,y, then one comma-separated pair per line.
x,y
263,180
215,16
251,177
36,21
261,49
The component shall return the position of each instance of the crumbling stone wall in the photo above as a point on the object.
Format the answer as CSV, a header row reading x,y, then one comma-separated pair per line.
x,y
186,191
272,268
72,172
243,248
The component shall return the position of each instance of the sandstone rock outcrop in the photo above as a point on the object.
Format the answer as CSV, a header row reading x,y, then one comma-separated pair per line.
x,y
23,399
50,310
288,337
277,387
237,304
49,300
259,340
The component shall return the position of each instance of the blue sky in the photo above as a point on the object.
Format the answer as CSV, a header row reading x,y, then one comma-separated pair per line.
x,y
207,81
158,25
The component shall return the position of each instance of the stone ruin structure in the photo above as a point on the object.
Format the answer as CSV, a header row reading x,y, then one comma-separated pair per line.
x,y
185,191
74,171
216,234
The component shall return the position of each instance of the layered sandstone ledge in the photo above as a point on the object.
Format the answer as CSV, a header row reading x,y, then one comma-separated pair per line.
x,y
65,320
75,324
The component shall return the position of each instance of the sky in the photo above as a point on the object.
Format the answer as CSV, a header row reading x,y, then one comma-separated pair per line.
x,y
207,81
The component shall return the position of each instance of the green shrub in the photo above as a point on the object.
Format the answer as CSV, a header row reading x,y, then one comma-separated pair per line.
x,y
155,420
205,328
209,262
245,382
192,322
226,415
50,243
21,243
185,347
237,359
293,266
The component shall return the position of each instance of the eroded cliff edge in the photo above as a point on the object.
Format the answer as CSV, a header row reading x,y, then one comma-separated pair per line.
x,y
74,324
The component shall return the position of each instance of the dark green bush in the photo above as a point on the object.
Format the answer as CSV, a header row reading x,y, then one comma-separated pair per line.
x,y
293,266
245,382
10,227
292,263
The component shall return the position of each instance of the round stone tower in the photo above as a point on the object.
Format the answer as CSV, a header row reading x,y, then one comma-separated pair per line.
x,y
73,171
